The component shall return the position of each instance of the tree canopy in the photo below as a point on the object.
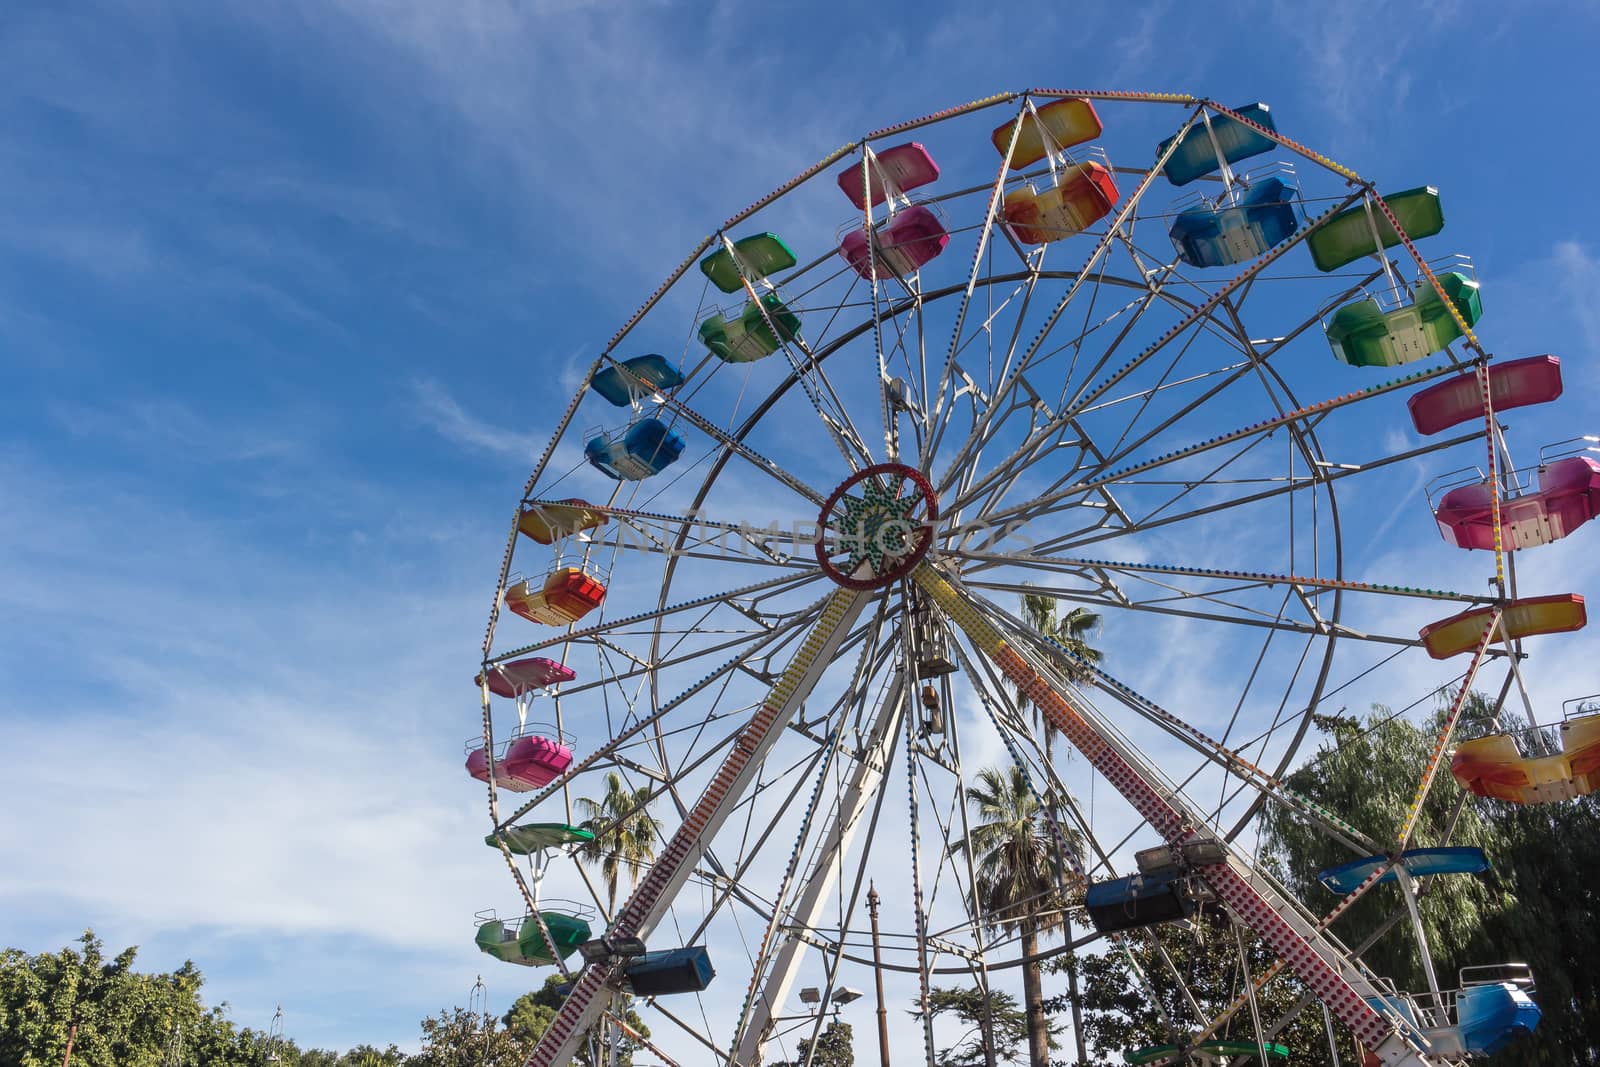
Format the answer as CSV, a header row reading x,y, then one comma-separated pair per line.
x,y
116,1016
1535,905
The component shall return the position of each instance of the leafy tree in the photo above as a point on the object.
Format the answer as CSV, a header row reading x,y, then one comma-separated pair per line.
x,y
1535,905
532,1013
1072,632
1121,1013
113,1015
1018,871
625,833
457,1037
361,1056
834,1047
995,1027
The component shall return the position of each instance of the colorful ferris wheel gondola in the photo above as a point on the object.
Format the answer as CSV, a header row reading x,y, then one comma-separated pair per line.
x,y
551,931
534,942
1254,213
762,324
910,234
1529,766
1399,323
1078,195
1546,503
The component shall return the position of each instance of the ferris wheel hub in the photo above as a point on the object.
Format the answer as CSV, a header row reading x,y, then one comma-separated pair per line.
x,y
876,526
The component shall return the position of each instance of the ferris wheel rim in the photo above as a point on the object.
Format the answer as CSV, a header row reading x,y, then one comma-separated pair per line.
x,y
913,305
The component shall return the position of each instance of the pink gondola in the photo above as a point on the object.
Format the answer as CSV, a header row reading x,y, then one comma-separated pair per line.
x,y
1513,384
524,675
478,767
537,760
913,237
525,763
906,166
1568,496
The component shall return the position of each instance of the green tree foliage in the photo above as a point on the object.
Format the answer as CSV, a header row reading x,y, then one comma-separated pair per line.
x,y
1071,631
1018,877
1120,1012
1536,905
460,1038
834,1048
993,1025
116,1016
532,1013
123,1018
360,1056
625,833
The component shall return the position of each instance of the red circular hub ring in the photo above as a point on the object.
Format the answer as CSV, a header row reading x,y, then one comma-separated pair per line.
x,y
895,475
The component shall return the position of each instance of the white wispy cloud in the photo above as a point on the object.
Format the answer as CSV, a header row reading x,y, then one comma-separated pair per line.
x,y
445,415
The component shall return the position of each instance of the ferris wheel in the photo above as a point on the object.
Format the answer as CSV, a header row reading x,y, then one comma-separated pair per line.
x,y
1139,354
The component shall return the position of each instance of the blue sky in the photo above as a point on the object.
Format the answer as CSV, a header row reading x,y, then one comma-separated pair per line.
x,y
285,293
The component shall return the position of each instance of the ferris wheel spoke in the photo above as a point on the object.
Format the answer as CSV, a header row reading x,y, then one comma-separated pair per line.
x,y
650,900
1096,258
733,442
782,583
1088,395
1233,374
1098,572
973,275
760,646
1235,615
1003,474
694,535
971,386
1056,501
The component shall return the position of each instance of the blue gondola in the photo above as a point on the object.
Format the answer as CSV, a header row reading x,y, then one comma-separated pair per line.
x,y
1418,862
673,970
1229,233
1138,900
655,374
1489,1017
1491,1009
1196,154
645,448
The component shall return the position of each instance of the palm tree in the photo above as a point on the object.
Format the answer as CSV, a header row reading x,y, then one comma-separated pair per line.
x,y
1018,877
1072,632
625,833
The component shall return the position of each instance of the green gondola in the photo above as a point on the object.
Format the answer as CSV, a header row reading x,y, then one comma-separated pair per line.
x,y
749,337
1364,335
522,942
1208,1051
1350,234
533,837
760,254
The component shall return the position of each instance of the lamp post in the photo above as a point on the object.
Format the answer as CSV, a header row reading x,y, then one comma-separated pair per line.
x,y
877,974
